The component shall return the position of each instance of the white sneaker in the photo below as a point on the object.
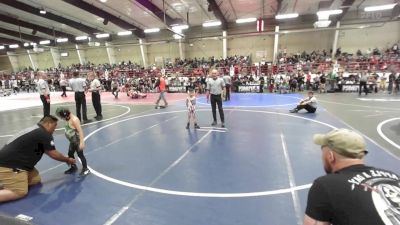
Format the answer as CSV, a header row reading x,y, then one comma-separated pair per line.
x,y
84,172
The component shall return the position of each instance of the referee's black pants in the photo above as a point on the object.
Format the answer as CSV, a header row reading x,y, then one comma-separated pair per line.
x,y
46,105
363,84
80,101
228,92
96,103
217,100
64,89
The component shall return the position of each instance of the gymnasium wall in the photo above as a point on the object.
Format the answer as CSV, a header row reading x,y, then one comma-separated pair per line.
x,y
72,57
45,60
204,48
259,47
299,42
5,64
159,53
380,37
96,55
126,53
23,61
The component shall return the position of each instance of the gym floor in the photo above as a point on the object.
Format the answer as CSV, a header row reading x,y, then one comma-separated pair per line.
x,y
148,169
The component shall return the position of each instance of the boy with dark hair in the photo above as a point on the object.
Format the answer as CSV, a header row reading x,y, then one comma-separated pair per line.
x,y
75,136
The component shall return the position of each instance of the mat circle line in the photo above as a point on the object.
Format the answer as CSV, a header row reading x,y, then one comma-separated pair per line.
x,y
201,194
380,132
123,114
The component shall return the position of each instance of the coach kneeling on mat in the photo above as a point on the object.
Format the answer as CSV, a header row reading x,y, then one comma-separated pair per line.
x,y
309,104
20,155
351,193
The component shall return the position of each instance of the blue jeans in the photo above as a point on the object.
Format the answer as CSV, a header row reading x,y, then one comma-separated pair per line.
x,y
162,96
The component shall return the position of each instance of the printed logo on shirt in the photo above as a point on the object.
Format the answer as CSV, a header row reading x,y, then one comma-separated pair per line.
x,y
385,192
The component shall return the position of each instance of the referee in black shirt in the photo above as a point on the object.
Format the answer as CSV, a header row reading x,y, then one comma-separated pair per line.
x,y
215,87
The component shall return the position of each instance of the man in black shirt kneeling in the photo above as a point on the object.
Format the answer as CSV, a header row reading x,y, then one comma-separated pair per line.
x,y
20,155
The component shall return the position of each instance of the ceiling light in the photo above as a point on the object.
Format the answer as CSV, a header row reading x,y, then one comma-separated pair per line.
x,y
286,16
103,0
42,11
45,42
32,44
152,30
178,27
64,54
212,24
329,12
97,44
322,23
1,46
102,35
26,44
14,46
379,7
124,33
246,20
177,36
80,38
61,40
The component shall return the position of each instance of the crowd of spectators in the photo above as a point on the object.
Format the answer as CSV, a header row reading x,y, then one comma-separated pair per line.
x,y
292,72
323,56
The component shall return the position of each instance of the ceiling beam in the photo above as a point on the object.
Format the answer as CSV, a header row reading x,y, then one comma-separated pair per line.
x,y
279,6
48,31
218,14
33,10
233,9
346,5
158,12
7,41
103,14
20,35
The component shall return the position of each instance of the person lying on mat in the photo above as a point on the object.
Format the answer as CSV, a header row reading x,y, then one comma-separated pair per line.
x,y
134,94
309,104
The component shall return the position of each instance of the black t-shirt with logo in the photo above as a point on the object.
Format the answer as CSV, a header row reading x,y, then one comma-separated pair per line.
x,y
356,195
26,148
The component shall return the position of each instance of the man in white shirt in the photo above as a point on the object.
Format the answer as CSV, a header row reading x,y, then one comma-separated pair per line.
x,y
309,104
63,85
228,82
78,85
44,91
95,88
215,87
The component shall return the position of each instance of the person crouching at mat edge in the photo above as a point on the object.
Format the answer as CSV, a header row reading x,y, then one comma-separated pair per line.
x,y
75,136
309,104
20,155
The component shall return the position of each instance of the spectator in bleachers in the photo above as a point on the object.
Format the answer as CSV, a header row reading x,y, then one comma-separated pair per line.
x,y
363,83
